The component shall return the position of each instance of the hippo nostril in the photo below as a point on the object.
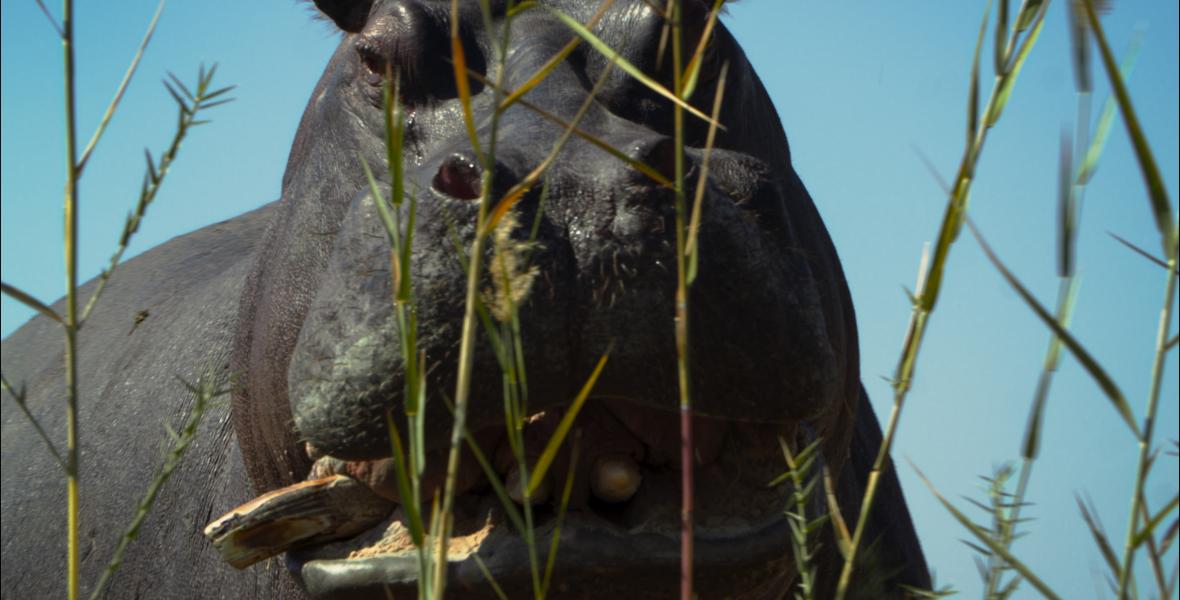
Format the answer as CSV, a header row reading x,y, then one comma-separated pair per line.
x,y
458,177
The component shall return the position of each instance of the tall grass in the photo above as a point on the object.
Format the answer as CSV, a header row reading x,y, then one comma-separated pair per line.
x,y
189,106
430,512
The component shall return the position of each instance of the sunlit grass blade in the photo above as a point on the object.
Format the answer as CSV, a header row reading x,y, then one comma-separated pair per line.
x,y
1092,367
604,49
555,60
1007,80
29,301
114,103
694,223
982,535
520,189
1138,250
843,537
1160,204
973,92
638,165
462,84
563,427
1089,162
693,71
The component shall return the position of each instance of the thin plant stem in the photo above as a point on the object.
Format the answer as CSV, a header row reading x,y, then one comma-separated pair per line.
x,y
1153,396
204,392
110,112
681,320
71,322
18,396
926,293
467,339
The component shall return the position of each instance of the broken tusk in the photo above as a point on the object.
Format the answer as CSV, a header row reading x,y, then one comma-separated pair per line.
x,y
310,512
615,478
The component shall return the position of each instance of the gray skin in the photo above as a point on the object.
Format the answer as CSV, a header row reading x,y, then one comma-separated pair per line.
x,y
295,299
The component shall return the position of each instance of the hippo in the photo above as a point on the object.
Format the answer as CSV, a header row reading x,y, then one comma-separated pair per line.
x,y
290,306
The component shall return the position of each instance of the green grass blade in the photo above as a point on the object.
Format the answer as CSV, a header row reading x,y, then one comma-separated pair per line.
x,y
982,535
1138,250
1008,78
409,501
638,165
604,49
693,70
694,222
1096,530
1098,143
973,93
487,575
551,64
29,301
114,103
462,84
1160,204
1092,367
555,538
563,427
1067,210
1149,527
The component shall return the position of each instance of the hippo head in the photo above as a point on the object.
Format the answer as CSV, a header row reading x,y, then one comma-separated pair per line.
x,y
773,342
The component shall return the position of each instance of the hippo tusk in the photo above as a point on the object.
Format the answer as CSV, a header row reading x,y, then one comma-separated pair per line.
x,y
310,512
615,478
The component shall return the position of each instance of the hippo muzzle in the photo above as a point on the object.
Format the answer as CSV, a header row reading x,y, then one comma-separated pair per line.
x,y
773,352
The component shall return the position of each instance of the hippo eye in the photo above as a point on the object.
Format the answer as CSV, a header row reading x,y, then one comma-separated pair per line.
x,y
411,42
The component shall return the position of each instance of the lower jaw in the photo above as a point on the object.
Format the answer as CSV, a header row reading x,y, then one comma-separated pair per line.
x,y
631,550
593,560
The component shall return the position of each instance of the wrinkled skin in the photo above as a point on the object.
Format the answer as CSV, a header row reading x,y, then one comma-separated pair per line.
x,y
295,297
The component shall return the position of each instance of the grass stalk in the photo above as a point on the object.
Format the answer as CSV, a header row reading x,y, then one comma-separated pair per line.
x,y
1145,440
204,393
1031,19
683,360
467,339
71,316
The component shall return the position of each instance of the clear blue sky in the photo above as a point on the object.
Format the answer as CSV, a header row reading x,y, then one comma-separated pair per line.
x,y
858,86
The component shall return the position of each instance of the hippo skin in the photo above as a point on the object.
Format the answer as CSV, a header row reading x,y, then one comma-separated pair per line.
x,y
294,299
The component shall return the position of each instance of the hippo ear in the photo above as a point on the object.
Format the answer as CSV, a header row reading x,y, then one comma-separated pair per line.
x,y
349,15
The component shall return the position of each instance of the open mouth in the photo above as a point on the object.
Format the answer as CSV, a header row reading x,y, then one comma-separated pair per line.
x,y
612,499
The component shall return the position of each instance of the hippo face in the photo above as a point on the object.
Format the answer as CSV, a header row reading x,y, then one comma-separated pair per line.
x,y
773,343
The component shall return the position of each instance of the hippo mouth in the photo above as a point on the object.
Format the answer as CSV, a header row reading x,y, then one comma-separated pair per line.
x,y
611,500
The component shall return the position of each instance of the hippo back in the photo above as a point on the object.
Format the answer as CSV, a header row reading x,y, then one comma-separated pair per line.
x,y
166,316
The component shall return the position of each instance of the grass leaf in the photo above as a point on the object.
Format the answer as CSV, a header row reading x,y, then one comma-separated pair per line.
x,y
563,427
1160,204
1098,143
982,536
605,49
1092,367
29,301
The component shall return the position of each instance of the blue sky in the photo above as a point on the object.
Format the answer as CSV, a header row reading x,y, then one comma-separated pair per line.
x,y
859,86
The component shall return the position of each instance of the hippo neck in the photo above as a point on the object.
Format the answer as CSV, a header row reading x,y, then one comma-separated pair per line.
x,y
323,174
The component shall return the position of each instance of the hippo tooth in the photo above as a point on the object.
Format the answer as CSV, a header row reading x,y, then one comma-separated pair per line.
x,y
615,478
516,488
309,512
